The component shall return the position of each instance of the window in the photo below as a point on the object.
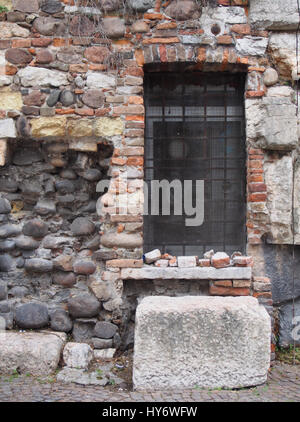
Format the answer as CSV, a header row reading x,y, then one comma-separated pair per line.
x,y
195,131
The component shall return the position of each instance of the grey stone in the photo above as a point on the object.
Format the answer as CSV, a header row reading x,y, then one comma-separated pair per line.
x,y
5,207
49,26
4,307
3,290
45,207
35,228
288,327
279,180
7,245
27,243
60,321
83,305
53,242
92,175
100,343
8,185
18,291
175,273
171,352
278,129
82,226
141,5
84,267
93,98
9,320
152,256
20,262
64,186
38,265
105,330
51,6
26,157
67,98
26,6
83,329
77,355
81,377
68,174
33,353
183,10
53,97
6,263
32,316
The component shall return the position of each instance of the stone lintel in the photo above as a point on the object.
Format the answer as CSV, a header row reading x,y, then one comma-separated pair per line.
x,y
198,273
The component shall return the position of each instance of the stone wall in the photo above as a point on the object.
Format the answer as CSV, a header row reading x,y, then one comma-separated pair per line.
x,y
71,97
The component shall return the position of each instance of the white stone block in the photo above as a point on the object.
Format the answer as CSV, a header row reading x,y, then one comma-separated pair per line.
x,y
175,273
100,80
36,353
274,14
187,261
208,342
77,355
152,256
7,128
34,76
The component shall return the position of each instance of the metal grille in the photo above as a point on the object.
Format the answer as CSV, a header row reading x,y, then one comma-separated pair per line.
x,y
195,131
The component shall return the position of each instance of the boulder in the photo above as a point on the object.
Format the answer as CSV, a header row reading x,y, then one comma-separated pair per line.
x,y
60,321
105,330
77,355
210,342
32,316
83,305
33,353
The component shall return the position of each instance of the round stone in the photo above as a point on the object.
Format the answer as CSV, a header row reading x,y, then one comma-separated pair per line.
x,y
51,6
18,56
10,186
184,10
6,263
27,243
105,330
82,226
38,265
83,305
3,290
7,245
64,186
92,175
84,267
60,321
18,291
9,230
270,77
67,98
68,174
35,228
64,279
82,26
53,97
32,316
93,98
5,207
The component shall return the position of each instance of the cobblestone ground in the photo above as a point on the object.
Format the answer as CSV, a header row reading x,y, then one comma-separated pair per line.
x,y
283,386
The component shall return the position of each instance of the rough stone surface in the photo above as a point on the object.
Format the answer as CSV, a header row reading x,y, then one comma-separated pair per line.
x,y
7,128
82,377
77,355
35,228
33,76
32,316
105,330
141,5
83,305
278,177
60,321
234,339
183,10
100,80
267,14
32,353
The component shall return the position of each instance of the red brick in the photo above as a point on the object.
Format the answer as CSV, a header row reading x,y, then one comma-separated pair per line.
x,y
229,291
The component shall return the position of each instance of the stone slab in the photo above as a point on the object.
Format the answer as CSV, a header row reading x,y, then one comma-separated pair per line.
x,y
201,273
37,353
208,342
